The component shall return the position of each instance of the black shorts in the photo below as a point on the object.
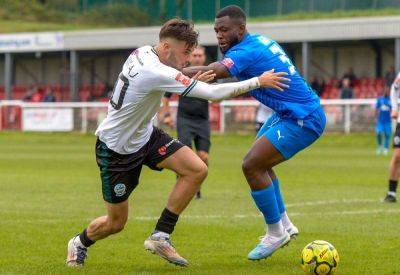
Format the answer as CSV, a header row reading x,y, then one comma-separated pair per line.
x,y
120,173
396,137
197,130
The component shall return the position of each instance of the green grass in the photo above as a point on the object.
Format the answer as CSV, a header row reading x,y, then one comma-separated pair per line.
x,y
50,191
8,26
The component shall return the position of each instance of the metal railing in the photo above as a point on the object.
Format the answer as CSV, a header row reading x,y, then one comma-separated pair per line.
x,y
346,116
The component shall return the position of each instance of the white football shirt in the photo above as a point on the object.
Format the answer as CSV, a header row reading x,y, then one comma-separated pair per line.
x,y
394,97
136,98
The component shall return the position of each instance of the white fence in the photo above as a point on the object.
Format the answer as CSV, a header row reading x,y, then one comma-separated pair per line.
x,y
346,116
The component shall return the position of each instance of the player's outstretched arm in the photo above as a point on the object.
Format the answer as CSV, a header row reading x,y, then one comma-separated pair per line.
x,y
218,69
394,97
219,92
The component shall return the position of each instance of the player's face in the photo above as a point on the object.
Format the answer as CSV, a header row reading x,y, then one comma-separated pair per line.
x,y
228,32
178,54
198,57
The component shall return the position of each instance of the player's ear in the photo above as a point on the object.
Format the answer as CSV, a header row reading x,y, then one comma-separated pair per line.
x,y
242,29
166,45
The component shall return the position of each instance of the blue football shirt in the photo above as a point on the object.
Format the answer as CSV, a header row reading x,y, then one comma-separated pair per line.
x,y
256,54
384,107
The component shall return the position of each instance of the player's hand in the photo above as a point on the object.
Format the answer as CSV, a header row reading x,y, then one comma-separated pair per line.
x,y
270,79
205,77
394,114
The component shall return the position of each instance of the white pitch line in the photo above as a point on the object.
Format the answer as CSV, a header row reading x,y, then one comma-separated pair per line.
x,y
343,201
334,213
245,216
239,216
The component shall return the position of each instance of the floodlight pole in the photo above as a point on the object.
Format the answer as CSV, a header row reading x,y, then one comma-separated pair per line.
x,y
305,58
73,76
8,69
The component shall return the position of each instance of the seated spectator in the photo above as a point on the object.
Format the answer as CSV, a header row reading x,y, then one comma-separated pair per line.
x,y
346,90
318,85
49,96
37,96
351,76
390,76
29,93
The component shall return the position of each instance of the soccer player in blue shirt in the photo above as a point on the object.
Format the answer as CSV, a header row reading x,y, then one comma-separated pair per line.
x,y
383,122
298,120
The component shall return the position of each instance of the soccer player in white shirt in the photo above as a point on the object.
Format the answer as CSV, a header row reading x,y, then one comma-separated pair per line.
x,y
395,162
127,139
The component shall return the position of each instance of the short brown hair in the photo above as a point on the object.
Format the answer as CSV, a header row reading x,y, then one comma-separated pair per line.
x,y
181,30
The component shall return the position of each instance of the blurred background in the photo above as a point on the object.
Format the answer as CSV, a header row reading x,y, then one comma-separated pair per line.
x,y
59,59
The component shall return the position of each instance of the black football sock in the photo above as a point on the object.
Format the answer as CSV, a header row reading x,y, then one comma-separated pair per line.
x,y
167,221
85,239
393,186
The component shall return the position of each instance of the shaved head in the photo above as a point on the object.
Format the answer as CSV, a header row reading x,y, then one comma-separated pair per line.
x,y
233,12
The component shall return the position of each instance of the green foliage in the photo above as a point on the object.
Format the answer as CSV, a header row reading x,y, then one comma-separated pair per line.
x,y
327,15
59,11
30,11
44,15
115,15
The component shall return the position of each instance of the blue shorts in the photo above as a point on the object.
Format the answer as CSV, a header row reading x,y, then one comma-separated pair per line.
x,y
385,128
290,136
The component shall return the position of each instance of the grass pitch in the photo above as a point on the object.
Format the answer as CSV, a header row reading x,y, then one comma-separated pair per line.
x,y
50,190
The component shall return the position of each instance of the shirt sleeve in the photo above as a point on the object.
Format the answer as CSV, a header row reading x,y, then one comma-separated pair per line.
x,y
167,79
377,105
237,61
394,95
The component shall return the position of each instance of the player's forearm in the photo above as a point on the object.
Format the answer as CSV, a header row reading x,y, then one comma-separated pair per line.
x,y
223,91
217,68
394,97
191,71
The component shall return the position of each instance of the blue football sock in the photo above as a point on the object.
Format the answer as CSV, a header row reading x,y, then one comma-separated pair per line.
x,y
266,202
278,195
387,141
379,139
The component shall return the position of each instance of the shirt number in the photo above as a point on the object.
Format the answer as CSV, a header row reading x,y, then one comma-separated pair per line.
x,y
275,49
119,92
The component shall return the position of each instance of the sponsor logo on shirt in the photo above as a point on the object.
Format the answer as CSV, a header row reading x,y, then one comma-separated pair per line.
x,y
183,79
227,62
